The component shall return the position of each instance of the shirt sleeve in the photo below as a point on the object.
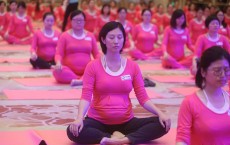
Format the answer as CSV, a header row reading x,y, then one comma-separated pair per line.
x,y
138,85
165,40
34,43
95,50
199,46
189,42
60,48
184,122
226,44
88,82
30,25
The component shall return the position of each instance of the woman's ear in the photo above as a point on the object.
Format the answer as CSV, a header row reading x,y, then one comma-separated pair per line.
x,y
203,73
103,40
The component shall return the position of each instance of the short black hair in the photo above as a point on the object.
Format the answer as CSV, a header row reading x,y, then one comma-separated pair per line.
x,y
106,29
175,15
21,4
144,10
121,8
102,9
209,19
209,56
47,14
75,13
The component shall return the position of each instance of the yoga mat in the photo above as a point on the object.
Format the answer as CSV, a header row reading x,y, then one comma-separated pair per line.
x,y
16,68
36,82
168,139
172,78
27,137
185,91
150,67
14,60
12,47
43,94
151,93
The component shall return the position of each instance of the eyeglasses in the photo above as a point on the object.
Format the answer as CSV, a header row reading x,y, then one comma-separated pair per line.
x,y
217,71
78,20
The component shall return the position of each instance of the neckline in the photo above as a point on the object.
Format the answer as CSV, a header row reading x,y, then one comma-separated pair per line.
x,y
221,110
213,39
146,29
2,14
21,17
48,35
178,31
110,72
78,37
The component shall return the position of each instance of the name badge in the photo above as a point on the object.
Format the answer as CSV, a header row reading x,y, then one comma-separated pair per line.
x,y
125,77
128,28
55,39
24,20
88,38
152,32
184,37
219,43
223,30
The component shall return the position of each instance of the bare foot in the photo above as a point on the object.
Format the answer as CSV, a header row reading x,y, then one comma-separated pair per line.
x,y
117,134
75,82
110,141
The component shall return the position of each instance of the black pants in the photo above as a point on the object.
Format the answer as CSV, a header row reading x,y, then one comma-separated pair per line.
x,y
71,7
137,130
42,64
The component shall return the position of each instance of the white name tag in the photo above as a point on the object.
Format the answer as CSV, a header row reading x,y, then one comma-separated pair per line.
x,y
223,30
24,20
55,39
128,28
88,38
219,43
152,32
125,77
184,37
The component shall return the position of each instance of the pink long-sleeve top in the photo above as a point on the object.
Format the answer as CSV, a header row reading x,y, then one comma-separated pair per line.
x,y
76,53
45,46
174,42
91,20
224,31
129,31
166,20
18,27
110,103
196,28
198,125
204,42
4,22
145,39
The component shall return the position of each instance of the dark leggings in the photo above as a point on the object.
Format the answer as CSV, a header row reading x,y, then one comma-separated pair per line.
x,y
137,130
42,64
70,8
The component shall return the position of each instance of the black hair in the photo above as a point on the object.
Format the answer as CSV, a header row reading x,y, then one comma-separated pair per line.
x,y
106,29
48,13
209,56
37,6
102,9
21,4
75,13
209,19
224,24
144,10
175,15
121,8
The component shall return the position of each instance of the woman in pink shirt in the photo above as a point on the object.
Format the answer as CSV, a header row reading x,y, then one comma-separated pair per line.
x,y
224,28
4,19
110,119
91,16
145,36
44,44
227,15
205,115
122,12
174,39
74,50
197,26
20,30
211,38
167,16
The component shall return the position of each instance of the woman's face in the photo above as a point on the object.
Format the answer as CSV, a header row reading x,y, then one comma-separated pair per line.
x,y
122,14
214,26
13,7
2,7
114,41
106,10
220,16
180,21
49,21
199,14
147,16
78,22
206,12
91,4
217,74
228,11
170,9
21,10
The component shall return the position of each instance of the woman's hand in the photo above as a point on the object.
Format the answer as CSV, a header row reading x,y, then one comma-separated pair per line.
x,y
58,66
165,121
76,127
33,56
